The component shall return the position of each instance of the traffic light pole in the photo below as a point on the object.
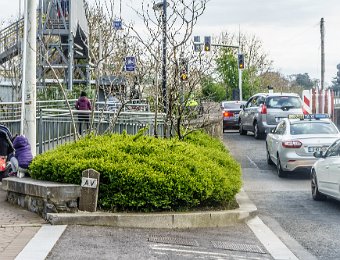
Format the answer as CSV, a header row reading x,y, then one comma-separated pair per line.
x,y
239,70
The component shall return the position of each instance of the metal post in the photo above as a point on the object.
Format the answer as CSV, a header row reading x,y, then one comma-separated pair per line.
x,y
240,83
30,75
164,76
70,51
322,31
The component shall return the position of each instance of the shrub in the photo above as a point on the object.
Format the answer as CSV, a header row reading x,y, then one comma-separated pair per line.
x,y
140,173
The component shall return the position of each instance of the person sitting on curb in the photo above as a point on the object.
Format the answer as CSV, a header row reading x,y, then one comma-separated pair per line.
x,y
22,156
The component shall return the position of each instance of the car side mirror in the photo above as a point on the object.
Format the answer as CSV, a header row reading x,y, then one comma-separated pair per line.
x,y
242,106
318,154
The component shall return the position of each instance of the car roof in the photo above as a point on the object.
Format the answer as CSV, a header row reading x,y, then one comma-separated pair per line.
x,y
232,101
277,94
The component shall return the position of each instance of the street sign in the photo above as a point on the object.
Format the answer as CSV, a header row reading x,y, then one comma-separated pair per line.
x,y
117,24
130,63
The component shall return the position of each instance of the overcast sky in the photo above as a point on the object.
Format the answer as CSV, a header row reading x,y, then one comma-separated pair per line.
x,y
288,29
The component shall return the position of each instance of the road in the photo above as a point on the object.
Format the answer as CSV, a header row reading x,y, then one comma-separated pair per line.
x,y
286,205
308,228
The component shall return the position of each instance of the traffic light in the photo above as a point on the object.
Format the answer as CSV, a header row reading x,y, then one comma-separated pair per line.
x,y
183,70
207,43
241,61
197,44
184,75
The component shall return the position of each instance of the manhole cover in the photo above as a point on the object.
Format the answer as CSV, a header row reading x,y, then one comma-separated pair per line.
x,y
173,240
237,247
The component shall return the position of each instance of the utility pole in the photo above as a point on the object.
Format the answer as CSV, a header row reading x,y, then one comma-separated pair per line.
x,y
29,78
322,31
239,70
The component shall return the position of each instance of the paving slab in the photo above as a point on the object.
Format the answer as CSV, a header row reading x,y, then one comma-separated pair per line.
x,y
17,227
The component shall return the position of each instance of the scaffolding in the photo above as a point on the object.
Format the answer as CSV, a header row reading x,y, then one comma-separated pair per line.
x,y
62,43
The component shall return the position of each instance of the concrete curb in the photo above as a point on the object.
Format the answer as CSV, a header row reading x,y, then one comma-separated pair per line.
x,y
245,211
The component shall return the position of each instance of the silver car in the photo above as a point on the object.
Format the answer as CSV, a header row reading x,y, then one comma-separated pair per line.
x,y
326,173
291,145
264,111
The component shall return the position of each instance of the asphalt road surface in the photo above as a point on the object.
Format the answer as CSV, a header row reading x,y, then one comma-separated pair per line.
x,y
285,204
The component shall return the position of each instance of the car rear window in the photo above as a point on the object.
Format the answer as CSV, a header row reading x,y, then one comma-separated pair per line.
x,y
283,101
306,128
231,105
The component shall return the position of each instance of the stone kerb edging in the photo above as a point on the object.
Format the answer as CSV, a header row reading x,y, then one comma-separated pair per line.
x,y
246,211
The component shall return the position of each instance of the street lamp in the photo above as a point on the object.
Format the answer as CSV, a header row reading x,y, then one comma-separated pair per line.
x,y
162,7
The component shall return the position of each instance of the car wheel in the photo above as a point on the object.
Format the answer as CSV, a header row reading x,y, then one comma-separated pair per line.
x,y
315,189
269,160
280,172
257,133
241,130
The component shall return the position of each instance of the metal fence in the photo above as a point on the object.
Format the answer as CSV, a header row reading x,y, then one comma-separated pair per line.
x,y
55,125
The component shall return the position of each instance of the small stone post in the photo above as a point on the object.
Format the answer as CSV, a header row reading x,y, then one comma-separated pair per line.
x,y
89,190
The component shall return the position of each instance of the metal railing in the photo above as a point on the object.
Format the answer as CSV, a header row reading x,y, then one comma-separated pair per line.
x,y
10,37
55,125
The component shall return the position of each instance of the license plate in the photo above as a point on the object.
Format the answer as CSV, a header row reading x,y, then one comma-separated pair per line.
x,y
313,149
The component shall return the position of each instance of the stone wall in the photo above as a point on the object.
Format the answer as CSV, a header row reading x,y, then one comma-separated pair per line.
x,y
42,197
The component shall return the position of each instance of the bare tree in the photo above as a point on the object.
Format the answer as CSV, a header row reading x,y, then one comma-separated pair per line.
x,y
181,19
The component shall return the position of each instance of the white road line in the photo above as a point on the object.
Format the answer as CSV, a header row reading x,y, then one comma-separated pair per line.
x,y
252,162
189,250
269,240
42,243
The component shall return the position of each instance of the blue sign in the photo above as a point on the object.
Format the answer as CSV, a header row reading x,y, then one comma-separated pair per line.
x,y
117,24
130,63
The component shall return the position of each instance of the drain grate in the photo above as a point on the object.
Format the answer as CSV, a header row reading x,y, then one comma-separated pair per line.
x,y
237,247
173,240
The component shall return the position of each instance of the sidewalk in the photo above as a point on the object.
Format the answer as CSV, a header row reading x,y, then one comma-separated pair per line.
x,y
17,227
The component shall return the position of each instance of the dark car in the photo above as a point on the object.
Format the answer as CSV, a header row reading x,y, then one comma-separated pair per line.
x,y
231,110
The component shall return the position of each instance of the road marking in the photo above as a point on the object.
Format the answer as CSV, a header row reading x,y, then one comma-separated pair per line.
x,y
42,243
269,240
188,250
252,162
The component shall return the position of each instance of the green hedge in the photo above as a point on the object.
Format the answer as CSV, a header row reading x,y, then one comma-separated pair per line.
x,y
140,173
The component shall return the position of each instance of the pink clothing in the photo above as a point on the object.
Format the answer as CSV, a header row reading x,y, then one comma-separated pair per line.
x,y
83,103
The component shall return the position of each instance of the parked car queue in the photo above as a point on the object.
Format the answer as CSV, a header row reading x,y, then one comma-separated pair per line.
x,y
294,139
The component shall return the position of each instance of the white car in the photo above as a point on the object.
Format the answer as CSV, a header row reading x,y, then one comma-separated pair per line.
x,y
326,173
291,145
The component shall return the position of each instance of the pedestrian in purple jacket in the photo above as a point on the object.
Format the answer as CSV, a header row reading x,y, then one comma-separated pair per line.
x,y
83,103
22,154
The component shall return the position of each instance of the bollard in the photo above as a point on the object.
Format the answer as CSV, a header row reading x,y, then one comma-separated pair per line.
x,y
89,190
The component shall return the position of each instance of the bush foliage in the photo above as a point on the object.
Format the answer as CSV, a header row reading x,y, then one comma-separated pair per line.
x,y
140,173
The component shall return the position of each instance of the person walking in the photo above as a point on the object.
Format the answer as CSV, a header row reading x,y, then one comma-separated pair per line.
x,y
22,156
83,103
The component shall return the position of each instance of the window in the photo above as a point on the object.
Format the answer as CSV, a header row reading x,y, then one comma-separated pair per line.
x,y
281,128
334,149
312,127
283,101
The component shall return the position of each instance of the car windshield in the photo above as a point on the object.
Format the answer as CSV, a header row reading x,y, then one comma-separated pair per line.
x,y
231,105
283,101
308,127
